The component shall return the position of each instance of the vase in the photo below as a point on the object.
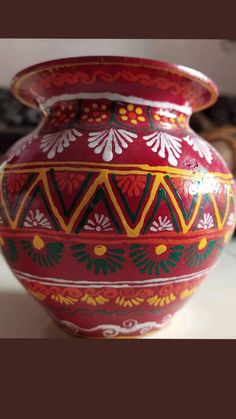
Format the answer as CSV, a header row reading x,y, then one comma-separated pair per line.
x,y
113,210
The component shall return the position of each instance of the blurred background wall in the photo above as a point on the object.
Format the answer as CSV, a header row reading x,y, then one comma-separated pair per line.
x,y
216,58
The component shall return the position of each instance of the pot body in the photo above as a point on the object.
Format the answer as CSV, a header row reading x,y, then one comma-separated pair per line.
x,y
113,210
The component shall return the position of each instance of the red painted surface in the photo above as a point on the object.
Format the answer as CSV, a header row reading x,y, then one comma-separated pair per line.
x,y
113,210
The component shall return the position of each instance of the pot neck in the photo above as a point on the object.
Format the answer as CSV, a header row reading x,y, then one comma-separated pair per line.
x,y
97,111
113,97
132,78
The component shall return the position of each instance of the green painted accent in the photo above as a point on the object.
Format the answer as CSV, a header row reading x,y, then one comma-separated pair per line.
x,y
152,123
12,209
194,256
38,190
161,195
10,251
50,255
194,199
100,195
205,200
103,312
133,217
67,212
145,263
108,263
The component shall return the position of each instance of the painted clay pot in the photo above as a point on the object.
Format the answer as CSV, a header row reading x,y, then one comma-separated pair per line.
x,y
113,210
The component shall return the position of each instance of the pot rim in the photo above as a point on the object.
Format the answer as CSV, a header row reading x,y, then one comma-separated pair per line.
x,y
29,75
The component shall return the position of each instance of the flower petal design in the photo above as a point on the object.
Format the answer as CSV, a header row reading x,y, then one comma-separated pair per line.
x,y
110,141
206,222
56,142
99,223
200,146
36,218
21,144
163,224
165,145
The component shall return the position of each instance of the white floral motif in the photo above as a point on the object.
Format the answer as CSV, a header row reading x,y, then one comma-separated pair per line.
x,y
100,223
206,222
231,219
165,145
163,224
200,146
21,144
110,141
56,142
36,218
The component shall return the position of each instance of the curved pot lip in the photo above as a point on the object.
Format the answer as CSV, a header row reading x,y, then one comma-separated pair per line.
x,y
144,63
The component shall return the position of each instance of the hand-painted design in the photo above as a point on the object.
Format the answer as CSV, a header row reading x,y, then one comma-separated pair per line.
x,y
199,252
22,144
63,113
94,300
206,222
39,197
99,197
130,297
153,261
71,182
131,184
68,181
200,146
93,112
110,141
44,254
15,182
100,223
9,249
61,299
56,142
167,119
206,207
162,197
163,224
36,218
143,289
113,330
129,302
18,186
161,301
231,219
131,113
127,297
101,260
137,311
165,145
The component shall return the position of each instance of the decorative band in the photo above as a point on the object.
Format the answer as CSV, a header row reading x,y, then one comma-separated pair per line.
x,y
114,284
116,97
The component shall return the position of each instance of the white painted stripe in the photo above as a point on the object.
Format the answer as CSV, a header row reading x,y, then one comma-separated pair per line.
x,y
185,277
121,284
117,97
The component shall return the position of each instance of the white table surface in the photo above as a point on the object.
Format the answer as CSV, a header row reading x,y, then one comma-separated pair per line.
x,y
209,314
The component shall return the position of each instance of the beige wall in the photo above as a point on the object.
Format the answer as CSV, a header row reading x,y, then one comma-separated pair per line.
x,y
208,56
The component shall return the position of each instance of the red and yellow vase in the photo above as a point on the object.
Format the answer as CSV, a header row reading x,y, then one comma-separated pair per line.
x,y
113,210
